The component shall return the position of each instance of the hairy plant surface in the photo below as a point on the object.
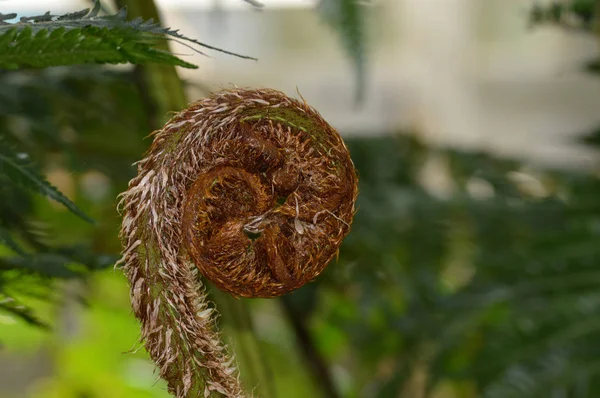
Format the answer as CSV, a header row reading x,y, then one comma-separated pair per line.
x,y
255,189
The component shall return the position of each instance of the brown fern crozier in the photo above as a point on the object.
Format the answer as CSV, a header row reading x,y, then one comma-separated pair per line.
x,y
258,191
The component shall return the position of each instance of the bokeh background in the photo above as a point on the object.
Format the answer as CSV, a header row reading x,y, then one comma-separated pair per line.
x,y
472,267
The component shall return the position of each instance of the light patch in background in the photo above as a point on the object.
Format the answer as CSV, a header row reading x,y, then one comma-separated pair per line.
x,y
95,185
57,7
233,4
30,7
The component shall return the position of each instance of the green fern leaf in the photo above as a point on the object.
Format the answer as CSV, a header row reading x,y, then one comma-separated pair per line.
x,y
46,48
10,305
18,169
7,240
86,37
51,265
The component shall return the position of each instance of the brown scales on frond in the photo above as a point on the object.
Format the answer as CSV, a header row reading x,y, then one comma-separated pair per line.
x,y
259,191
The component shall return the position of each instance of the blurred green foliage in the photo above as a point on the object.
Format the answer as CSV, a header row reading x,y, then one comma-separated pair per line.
x,y
495,285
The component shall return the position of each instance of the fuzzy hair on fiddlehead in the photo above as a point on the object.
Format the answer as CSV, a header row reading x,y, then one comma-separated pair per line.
x,y
253,189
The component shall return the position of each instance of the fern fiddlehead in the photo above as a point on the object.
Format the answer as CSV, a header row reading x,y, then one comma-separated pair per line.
x,y
253,189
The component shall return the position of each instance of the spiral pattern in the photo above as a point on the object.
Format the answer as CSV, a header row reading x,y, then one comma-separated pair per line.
x,y
259,192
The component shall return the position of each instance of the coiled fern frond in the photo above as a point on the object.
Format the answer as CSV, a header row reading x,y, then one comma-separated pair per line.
x,y
254,189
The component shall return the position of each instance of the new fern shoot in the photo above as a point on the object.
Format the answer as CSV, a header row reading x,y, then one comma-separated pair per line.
x,y
253,189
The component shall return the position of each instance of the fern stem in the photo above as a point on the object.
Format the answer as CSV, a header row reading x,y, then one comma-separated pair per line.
x,y
160,83
237,324
316,364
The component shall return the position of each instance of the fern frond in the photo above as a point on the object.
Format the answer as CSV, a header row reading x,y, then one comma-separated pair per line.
x,y
8,241
84,37
20,170
10,305
77,46
48,265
